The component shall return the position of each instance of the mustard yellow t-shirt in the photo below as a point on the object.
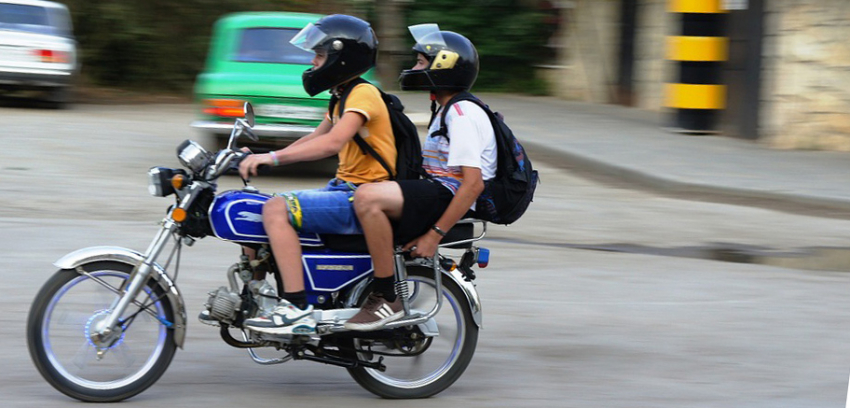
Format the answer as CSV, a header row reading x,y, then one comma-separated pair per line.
x,y
355,166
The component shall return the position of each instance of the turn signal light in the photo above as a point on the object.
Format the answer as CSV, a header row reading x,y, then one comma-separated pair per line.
x,y
178,215
178,182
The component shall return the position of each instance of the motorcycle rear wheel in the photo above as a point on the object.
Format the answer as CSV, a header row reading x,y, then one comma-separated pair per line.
x,y
59,328
444,358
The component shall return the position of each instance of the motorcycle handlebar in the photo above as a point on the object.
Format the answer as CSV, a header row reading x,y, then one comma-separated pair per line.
x,y
241,155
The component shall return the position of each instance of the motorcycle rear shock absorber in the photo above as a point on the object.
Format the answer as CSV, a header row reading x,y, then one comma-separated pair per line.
x,y
401,289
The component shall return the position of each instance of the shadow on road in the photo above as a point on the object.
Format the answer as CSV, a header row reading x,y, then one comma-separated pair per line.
x,y
22,102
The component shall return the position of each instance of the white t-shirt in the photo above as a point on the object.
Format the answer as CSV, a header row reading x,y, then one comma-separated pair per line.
x,y
472,144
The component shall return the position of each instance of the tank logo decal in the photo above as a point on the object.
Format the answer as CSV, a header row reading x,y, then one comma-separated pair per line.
x,y
335,267
249,216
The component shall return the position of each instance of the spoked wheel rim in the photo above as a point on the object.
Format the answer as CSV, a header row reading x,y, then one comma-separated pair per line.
x,y
68,321
445,349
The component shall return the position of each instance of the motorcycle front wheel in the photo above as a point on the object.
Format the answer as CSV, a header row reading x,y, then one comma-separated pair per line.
x,y
61,322
422,368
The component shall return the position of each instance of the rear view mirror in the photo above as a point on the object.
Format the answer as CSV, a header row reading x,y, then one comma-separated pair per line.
x,y
249,114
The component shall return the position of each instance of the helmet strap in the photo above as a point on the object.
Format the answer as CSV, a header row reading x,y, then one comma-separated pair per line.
x,y
433,106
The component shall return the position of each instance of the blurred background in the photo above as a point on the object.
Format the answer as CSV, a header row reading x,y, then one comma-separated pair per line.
x,y
162,45
777,69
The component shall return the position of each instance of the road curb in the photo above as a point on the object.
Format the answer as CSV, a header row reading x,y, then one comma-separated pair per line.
x,y
641,180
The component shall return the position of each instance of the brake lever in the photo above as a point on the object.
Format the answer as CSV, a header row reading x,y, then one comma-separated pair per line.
x,y
234,164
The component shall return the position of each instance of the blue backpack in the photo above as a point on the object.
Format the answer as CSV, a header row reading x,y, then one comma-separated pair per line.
x,y
507,195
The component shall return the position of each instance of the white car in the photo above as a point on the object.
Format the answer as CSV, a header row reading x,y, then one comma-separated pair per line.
x,y
37,48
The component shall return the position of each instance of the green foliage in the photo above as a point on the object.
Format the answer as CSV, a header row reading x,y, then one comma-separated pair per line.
x,y
160,45
509,36
154,44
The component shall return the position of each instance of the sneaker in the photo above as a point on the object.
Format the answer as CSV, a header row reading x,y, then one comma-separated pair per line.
x,y
284,319
375,314
205,318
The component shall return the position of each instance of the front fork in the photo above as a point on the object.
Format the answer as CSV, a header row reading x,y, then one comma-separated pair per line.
x,y
109,328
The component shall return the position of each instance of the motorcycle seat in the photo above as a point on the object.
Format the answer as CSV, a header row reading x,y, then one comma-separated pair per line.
x,y
357,243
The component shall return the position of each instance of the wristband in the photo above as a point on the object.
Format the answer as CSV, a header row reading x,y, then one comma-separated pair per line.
x,y
274,158
438,230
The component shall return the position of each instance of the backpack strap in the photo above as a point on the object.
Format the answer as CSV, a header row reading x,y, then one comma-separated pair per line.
x,y
504,155
365,147
371,151
463,96
343,96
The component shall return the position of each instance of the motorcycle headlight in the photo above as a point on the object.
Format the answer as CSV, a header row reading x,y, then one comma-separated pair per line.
x,y
192,155
159,180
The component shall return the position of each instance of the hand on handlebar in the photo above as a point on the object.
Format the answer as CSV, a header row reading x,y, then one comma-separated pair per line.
x,y
248,166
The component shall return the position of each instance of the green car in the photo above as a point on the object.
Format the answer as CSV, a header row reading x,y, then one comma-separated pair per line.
x,y
250,59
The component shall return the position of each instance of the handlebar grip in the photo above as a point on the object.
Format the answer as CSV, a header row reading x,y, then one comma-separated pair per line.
x,y
264,169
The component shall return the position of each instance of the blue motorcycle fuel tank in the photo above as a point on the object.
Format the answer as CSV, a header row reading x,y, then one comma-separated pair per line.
x,y
237,216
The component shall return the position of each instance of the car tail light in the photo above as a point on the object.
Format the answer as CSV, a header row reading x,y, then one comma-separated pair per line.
x,y
229,108
51,56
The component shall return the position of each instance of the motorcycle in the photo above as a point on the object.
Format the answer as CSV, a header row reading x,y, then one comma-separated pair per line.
x,y
107,324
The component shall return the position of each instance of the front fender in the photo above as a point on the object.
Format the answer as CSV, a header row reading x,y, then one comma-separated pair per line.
x,y
133,258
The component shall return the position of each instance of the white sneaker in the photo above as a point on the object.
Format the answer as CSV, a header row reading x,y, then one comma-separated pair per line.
x,y
284,319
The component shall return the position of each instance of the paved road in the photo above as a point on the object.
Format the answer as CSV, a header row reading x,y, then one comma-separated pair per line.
x,y
567,323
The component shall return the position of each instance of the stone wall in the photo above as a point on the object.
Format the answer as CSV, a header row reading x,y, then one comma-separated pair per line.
x,y
652,70
587,65
586,69
805,102
806,76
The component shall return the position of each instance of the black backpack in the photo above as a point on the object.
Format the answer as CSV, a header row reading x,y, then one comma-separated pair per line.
x,y
409,160
507,195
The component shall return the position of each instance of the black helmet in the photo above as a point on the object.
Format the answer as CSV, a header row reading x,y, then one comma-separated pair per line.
x,y
452,57
351,45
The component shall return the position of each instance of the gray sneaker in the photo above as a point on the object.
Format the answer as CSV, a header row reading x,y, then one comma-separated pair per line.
x,y
205,318
284,319
375,314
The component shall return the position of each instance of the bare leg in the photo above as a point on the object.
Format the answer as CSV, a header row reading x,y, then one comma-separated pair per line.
x,y
284,243
375,204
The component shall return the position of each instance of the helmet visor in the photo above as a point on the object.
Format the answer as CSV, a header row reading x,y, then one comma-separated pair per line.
x,y
427,34
308,38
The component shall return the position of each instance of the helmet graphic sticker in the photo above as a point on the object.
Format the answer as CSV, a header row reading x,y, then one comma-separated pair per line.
x,y
445,59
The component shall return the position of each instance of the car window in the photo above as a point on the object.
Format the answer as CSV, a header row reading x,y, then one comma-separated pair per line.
x,y
270,45
25,18
61,20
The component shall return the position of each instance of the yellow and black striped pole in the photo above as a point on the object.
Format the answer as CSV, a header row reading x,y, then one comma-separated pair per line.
x,y
699,51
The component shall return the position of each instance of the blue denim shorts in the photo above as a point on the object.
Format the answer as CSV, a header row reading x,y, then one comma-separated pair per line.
x,y
328,210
